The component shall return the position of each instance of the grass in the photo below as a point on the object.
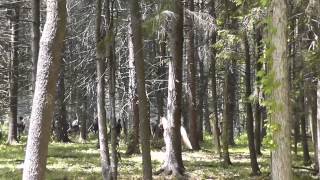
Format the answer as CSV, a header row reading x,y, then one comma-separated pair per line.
x,y
81,161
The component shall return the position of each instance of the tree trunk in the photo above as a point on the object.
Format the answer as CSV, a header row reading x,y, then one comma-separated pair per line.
x,y
173,158
83,114
318,122
144,108
258,111
133,138
215,117
60,118
227,116
234,111
50,55
35,8
161,70
192,87
13,76
313,103
281,155
101,111
302,117
250,132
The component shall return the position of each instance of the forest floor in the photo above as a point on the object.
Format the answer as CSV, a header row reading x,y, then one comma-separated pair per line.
x,y
81,161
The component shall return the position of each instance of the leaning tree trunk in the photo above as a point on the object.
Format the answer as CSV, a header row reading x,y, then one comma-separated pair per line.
x,y
101,111
133,138
144,107
50,55
173,158
281,154
250,131
13,77
35,8
192,86
60,116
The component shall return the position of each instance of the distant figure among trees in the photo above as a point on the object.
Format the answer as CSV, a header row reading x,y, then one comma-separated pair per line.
x,y
20,126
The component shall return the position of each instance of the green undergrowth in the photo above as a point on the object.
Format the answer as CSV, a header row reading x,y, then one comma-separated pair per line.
x,y
81,161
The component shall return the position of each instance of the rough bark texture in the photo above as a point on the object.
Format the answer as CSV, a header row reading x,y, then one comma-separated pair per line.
x,y
13,77
60,117
50,53
35,33
133,138
250,131
281,155
191,88
173,158
144,107
101,111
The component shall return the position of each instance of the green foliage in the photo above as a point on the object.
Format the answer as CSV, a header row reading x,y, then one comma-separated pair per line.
x,y
242,139
226,44
265,3
272,128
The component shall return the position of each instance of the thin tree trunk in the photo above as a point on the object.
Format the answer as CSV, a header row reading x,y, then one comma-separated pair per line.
x,y
258,111
101,111
60,117
13,76
250,130
227,116
192,87
215,117
35,8
281,155
133,140
144,107
50,55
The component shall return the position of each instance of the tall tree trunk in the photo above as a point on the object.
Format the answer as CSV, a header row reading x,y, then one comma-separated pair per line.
x,y
173,158
215,117
60,117
318,122
281,155
258,111
133,138
35,8
250,130
192,87
101,111
234,109
302,117
13,76
144,108
50,55
227,116
161,70
313,103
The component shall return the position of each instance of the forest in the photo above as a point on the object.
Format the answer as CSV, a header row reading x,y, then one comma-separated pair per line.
x,y
159,89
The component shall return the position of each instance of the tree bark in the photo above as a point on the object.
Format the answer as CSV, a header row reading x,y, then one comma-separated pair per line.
x,y
101,111
281,155
258,111
144,107
215,117
133,138
50,55
192,86
227,116
13,76
60,117
173,158
35,30
250,130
